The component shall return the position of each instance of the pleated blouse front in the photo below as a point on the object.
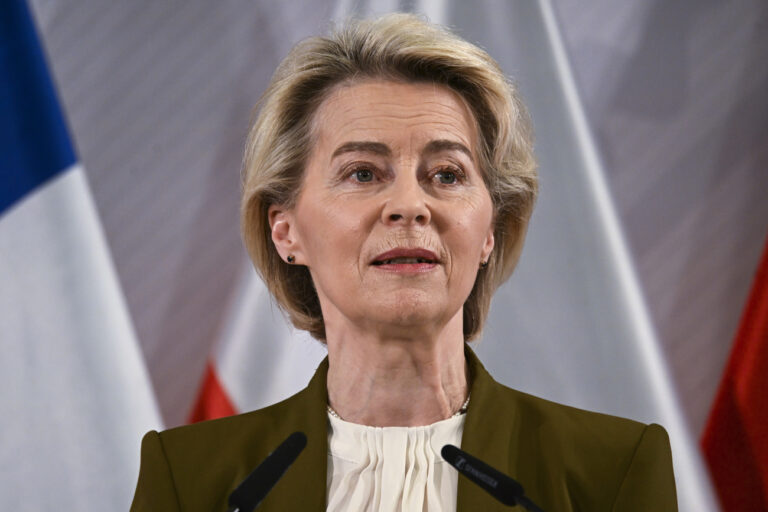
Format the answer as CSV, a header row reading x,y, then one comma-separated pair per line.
x,y
386,469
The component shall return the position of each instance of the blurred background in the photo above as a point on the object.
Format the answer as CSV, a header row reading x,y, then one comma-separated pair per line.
x,y
652,130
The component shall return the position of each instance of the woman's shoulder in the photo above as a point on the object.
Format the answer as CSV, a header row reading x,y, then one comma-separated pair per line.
x,y
254,421
247,437
598,461
195,467
602,459
569,421
572,425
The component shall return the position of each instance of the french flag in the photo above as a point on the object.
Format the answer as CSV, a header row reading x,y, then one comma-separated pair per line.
x,y
76,397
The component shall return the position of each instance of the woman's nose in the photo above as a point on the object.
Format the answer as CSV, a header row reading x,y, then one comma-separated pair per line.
x,y
407,203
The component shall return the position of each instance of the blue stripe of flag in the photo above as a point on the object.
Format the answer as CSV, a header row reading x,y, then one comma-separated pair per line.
x,y
34,142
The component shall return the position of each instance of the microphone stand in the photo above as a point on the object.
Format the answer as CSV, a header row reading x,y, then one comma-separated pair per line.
x,y
257,485
502,487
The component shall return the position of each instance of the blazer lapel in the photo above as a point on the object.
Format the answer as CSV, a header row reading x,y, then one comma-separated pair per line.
x,y
303,487
490,434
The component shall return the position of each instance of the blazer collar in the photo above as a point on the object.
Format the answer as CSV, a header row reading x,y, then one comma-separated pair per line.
x,y
306,480
489,431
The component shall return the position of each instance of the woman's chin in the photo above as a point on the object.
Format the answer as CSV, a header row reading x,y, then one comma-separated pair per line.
x,y
410,308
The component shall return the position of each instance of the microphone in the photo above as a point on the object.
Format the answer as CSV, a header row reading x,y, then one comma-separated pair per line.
x,y
257,485
497,484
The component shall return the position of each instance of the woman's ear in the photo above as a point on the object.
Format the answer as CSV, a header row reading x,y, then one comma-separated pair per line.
x,y
488,245
284,234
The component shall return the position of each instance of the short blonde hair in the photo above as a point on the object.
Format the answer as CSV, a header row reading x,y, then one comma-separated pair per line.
x,y
399,47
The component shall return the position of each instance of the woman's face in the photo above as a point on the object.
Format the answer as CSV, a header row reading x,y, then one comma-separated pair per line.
x,y
393,218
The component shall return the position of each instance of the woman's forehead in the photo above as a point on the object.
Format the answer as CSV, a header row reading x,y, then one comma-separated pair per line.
x,y
393,113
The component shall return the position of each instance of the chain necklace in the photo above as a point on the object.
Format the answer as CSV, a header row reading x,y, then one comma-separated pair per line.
x,y
461,410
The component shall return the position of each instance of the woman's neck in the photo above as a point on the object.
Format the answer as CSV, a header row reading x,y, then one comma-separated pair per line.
x,y
384,381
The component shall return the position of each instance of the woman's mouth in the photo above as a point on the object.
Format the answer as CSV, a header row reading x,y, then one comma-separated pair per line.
x,y
402,261
406,260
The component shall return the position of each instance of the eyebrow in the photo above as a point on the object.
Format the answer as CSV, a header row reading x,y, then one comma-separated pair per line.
x,y
437,146
364,147
378,148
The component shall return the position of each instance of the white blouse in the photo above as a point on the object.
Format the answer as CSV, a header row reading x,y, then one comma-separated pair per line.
x,y
386,469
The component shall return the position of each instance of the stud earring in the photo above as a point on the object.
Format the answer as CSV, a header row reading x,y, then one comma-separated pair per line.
x,y
484,264
291,258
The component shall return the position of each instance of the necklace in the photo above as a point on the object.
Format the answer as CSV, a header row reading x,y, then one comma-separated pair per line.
x,y
461,410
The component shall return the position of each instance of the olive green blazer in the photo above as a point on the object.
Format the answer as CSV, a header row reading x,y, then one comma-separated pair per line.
x,y
567,459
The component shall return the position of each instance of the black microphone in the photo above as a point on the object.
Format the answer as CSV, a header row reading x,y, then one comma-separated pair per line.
x,y
497,484
257,485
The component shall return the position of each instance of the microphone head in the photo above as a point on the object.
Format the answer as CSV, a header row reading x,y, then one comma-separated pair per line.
x,y
255,487
496,483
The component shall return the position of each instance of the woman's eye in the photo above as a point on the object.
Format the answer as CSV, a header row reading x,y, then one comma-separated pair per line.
x,y
447,177
363,175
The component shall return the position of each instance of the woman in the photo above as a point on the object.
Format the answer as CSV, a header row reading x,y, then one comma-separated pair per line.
x,y
388,181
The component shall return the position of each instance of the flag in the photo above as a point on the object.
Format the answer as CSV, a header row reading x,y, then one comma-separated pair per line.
x,y
259,359
735,439
75,396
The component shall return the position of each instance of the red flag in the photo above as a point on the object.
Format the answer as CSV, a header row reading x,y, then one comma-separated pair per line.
x,y
212,400
735,440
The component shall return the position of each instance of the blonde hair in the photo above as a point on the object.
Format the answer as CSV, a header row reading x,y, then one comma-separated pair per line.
x,y
400,47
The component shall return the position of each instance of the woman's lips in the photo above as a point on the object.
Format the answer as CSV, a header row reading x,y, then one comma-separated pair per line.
x,y
406,260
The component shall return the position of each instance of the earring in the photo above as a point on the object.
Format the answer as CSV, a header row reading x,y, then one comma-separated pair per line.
x,y
484,264
291,258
